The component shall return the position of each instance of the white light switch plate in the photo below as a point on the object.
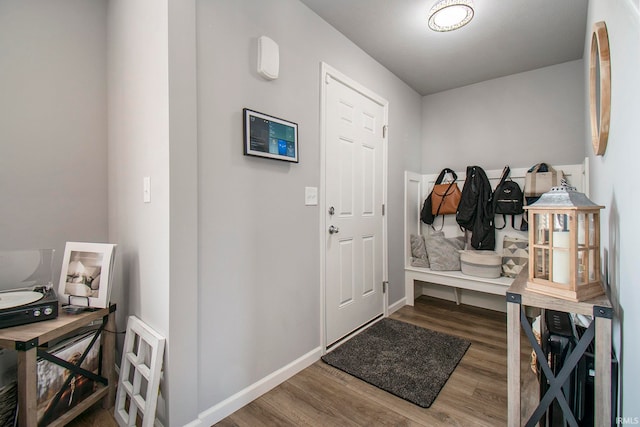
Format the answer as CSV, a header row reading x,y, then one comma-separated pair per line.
x,y
310,196
146,189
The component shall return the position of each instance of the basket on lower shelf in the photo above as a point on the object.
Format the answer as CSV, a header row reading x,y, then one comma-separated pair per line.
x,y
8,404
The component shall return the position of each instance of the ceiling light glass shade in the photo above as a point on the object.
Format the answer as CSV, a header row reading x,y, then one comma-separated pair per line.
x,y
448,15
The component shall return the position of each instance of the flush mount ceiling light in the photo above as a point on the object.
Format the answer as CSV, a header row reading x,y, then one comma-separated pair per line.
x,y
449,15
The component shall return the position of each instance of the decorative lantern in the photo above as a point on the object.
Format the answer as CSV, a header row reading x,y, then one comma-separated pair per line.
x,y
564,245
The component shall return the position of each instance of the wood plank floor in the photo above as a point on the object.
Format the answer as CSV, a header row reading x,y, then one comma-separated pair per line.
x,y
95,416
474,395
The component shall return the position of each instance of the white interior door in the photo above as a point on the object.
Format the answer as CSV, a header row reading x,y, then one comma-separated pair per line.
x,y
353,207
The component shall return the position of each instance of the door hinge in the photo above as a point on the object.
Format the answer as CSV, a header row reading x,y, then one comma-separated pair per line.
x,y
383,209
385,285
385,128
327,78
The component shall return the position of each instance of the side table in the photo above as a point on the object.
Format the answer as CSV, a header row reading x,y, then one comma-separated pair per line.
x,y
27,339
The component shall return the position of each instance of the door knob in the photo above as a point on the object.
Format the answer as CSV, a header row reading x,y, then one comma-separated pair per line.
x,y
333,230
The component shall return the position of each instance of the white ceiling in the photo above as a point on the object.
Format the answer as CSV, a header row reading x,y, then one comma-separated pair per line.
x,y
505,37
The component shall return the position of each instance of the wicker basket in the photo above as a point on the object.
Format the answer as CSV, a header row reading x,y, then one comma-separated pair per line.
x,y
8,404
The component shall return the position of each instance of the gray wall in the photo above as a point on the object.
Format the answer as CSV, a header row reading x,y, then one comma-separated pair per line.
x,y
53,152
183,170
138,147
259,290
152,132
614,186
520,120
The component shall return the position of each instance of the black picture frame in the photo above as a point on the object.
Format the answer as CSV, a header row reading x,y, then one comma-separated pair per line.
x,y
270,137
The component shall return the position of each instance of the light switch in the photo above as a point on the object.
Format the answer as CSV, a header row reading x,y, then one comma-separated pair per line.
x,y
146,189
310,196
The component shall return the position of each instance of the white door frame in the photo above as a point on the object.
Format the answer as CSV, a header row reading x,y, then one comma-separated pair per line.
x,y
328,72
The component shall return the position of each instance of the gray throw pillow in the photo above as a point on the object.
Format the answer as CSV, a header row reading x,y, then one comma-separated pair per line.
x,y
418,252
444,252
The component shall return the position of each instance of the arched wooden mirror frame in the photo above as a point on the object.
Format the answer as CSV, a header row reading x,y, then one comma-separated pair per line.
x,y
600,88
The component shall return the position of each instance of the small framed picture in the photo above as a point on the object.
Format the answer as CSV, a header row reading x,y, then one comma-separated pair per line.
x,y
85,279
270,137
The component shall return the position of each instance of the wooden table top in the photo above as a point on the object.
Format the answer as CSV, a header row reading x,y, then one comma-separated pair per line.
x,y
535,299
46,330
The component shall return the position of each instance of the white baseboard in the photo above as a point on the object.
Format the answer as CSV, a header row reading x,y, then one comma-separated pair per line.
x,y
228,406
397,305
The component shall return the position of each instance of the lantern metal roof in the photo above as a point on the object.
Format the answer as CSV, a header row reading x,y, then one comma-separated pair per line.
x,y
564,197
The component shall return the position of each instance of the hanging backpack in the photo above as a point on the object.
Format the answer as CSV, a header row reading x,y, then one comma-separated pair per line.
x,y
508,199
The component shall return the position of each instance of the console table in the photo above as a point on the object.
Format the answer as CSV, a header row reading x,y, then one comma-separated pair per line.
x,y
27,339
600,308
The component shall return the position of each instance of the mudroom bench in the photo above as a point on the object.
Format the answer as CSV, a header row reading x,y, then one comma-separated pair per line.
x,y
417,188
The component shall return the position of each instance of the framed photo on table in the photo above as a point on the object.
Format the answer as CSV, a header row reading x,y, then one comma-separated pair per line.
x,y
85,279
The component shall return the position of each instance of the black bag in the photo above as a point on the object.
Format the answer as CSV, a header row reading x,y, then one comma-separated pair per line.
x,y
524,225
468,205
426,215
507,199
475,210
